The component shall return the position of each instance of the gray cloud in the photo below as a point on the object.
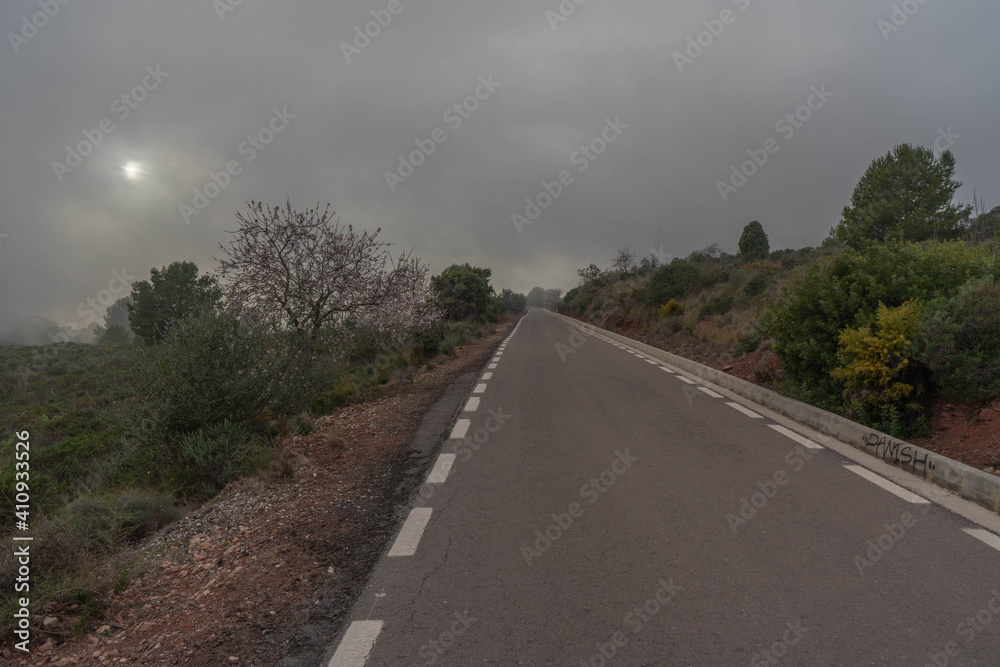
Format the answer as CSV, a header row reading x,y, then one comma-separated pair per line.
x,y
655,185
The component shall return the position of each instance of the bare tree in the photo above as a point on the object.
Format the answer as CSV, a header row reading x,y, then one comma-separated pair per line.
x,y
304,271
712,250
624,260
984,226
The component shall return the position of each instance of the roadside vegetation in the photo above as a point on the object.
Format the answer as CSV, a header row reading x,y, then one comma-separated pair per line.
x,y
200,379
898,306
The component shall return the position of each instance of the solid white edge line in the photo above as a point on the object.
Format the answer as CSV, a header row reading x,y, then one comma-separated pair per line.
x,y
801,439
894,489
709,392
472,404
439,474
746,411
684,379
409,536
480,388
357,643
460,429
984,536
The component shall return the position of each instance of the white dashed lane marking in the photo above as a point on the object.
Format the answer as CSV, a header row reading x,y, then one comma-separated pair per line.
x,y
984,536
460,429
684,379
894,489
802,440
409,537
356,645
441,469
360,637
746,411
709,392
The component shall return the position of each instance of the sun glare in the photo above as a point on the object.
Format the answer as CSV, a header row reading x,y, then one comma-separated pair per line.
x,y
133,171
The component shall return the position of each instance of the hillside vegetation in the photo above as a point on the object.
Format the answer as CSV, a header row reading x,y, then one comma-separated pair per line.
x,y
900,304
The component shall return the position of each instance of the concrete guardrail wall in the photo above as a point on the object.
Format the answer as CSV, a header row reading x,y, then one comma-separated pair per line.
x,y
972,484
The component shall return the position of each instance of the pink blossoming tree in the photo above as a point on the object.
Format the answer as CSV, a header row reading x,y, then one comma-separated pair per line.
x,y
306,272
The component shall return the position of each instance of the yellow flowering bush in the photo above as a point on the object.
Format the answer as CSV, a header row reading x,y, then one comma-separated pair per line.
x,y
672,308
878,365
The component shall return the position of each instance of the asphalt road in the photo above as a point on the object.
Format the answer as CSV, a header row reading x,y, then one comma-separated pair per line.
x,y
602,511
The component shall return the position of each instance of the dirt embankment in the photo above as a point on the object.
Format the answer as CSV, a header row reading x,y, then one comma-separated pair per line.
x,y
265,573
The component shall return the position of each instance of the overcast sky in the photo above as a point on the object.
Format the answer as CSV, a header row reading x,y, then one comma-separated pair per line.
x,y
222,72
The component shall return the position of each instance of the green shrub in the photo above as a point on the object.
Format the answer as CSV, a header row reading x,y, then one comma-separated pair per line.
x,y
671,324
82,535
215,452
426,343
672,281
749,342
213,367
959,341
843,291
900,421
717,277
74,423
448,344
345,389
581,303
463,330
719,304
758,285
303,423
364,346
108,521
429,343
61,469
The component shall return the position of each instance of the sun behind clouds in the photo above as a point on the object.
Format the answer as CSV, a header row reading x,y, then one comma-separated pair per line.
x,y
133,171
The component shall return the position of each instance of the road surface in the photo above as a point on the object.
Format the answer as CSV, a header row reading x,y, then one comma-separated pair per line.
x,y
601,509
